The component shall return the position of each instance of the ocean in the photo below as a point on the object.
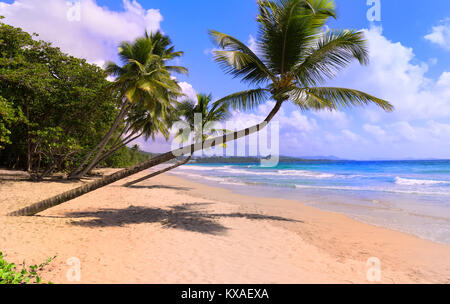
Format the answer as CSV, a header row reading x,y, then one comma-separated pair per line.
x,y
408,196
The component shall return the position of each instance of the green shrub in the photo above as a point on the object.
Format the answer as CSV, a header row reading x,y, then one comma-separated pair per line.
x,y
9,274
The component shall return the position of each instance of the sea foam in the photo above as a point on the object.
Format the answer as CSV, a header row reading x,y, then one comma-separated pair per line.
x,y
411,182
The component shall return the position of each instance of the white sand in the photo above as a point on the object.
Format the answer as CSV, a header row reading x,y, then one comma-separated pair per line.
x,y
170,230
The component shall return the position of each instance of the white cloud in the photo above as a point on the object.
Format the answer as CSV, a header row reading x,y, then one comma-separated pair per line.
x,y
376,131
439,129
188,90
350,135
417,128
293,121
294,127
336,118
97,33
405,130
392,75
440,34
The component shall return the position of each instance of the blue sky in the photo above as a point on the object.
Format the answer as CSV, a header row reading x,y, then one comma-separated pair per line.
x,y
187,23
410,50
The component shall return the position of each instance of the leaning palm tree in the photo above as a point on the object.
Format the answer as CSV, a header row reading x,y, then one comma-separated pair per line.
x,y
207,113
294,57
144,78
143,122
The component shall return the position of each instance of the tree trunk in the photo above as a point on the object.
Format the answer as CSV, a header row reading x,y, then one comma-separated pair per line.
x,y
85,167
159,172
116,148
72,194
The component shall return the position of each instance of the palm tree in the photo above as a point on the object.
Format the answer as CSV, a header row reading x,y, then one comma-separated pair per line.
x,y
144,78
209,113
142,122
294,56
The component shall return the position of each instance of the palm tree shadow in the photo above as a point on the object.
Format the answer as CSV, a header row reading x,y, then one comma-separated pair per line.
x,y
183,217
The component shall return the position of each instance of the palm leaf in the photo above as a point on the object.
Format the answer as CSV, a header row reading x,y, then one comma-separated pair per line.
x,y
178,69
333,51
239,60
245,100
345,98
289,27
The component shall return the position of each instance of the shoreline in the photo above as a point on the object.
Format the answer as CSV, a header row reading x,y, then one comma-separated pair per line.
x,y
283,206
173,230
254,191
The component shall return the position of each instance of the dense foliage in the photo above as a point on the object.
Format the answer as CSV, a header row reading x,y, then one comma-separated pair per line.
x,y
8,116
54,107
148,94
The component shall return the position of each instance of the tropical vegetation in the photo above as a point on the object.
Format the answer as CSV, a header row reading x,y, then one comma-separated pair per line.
x,y
54,107
295,56
146,94
200,120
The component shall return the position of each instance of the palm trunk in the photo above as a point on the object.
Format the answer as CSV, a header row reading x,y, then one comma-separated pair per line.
x,y
159,172
118,146
83,168
115,148
72,194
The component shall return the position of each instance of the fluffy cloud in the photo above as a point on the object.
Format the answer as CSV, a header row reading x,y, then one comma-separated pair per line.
x,y
350,135
188,90
417,128
393,74
81,27
440,34
376,131
338,119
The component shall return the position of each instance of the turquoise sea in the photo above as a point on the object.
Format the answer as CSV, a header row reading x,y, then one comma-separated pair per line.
x,y
408,196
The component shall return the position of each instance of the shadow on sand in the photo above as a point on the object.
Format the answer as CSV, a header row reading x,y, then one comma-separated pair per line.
x,y
176,217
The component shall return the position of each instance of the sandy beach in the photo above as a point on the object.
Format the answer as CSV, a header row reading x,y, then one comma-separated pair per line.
x,y
171,230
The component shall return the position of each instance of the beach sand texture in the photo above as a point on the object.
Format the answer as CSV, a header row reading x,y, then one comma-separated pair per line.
x,y
171,230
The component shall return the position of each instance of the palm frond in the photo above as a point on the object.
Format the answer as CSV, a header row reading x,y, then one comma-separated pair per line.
x,y
113,69
288,27
345,98
239,60
333,51
177,69
245,100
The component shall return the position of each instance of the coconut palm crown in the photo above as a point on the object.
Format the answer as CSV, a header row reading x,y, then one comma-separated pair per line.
x,y
293,57
145,76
